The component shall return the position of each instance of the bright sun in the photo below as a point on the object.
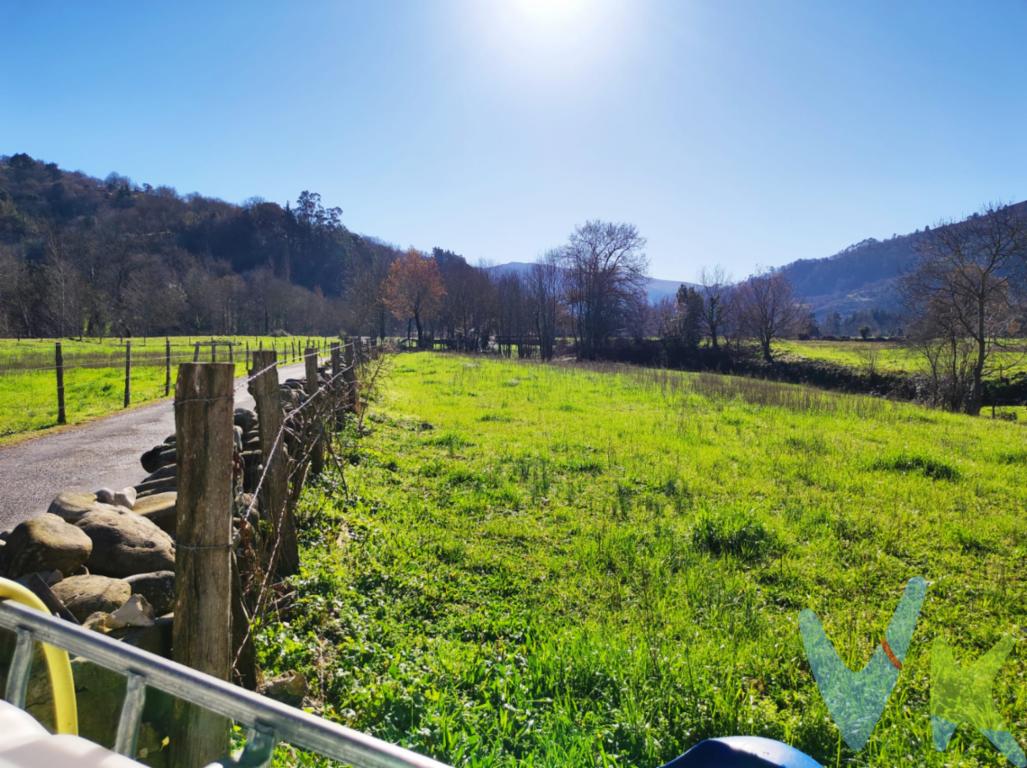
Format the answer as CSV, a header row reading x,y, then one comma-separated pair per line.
x,y
550,12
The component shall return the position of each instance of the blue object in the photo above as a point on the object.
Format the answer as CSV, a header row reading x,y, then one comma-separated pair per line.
x,y
743,752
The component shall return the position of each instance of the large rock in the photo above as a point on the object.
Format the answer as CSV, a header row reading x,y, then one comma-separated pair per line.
x,y
170,471
85,595
159,508
245,418
289,688
157,487
126,497
157,457
126,543
158,588
71,505
45,543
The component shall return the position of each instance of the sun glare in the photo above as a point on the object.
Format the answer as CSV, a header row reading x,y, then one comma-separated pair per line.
x,y
548,41
550,12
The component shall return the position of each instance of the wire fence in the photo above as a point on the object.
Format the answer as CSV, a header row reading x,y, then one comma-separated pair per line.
x,y
36,356
83,384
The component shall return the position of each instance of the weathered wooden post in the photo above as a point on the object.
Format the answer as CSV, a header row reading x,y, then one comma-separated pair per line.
x,y
167,366
247,355
274,494
336,360
350,375
62,417
203,556
196,352
338,383
128,373
213,351
317,447
231,352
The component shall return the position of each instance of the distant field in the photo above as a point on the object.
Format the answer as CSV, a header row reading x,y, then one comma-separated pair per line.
x,y
892,357
94,375
556,566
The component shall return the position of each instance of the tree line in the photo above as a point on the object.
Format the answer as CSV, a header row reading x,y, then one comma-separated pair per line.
x,y
965,298
80,256
83,256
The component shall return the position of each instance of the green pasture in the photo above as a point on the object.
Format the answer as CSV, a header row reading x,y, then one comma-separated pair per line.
x,y
529,565
893,356
94,377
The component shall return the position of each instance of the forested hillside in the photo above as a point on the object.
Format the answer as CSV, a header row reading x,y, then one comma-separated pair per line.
x,y
83,256
863,277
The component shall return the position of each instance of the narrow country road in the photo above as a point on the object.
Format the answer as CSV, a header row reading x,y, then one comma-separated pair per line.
x,y
102,453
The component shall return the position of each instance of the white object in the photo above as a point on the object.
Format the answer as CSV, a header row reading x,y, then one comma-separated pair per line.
x,y
24,743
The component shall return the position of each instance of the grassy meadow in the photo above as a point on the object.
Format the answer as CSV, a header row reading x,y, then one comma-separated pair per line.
x,y
561,566
94,377
892,356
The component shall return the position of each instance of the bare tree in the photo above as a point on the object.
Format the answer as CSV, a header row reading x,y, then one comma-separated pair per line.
x,y
544,284
962,286
766,309
605,270
714,287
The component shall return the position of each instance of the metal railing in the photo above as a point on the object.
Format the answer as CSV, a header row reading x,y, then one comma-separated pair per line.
x,y
266,721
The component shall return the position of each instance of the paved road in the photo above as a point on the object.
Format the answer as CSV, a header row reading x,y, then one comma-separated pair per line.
x,y
103,453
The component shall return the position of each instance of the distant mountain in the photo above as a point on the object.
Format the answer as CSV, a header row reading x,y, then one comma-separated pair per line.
x,y
864,276
656,289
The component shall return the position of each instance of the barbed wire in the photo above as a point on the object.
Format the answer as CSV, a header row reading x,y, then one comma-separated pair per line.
x,y
300,464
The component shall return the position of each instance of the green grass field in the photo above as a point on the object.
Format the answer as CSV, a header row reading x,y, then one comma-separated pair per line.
x,y
892,357
555,566
94,377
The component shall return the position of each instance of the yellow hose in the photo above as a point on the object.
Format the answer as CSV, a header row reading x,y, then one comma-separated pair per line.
x,y
57,664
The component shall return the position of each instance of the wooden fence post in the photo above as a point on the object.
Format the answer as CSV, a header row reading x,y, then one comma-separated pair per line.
x,y
231,352
128,373
167,366
350,376
202,637
336,360
317,447
62,417
275,490
338,382
196,352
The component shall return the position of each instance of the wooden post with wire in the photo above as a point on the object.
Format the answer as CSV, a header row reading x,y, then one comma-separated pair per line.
x,y
62,416
167,366
283,556
349,360
202,638
128,373
337,381
317,446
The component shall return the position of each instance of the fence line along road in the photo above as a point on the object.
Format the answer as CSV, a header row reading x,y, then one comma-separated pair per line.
x,y
97,454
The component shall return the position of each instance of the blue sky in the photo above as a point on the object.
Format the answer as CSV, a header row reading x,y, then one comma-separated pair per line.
x,y
730,132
